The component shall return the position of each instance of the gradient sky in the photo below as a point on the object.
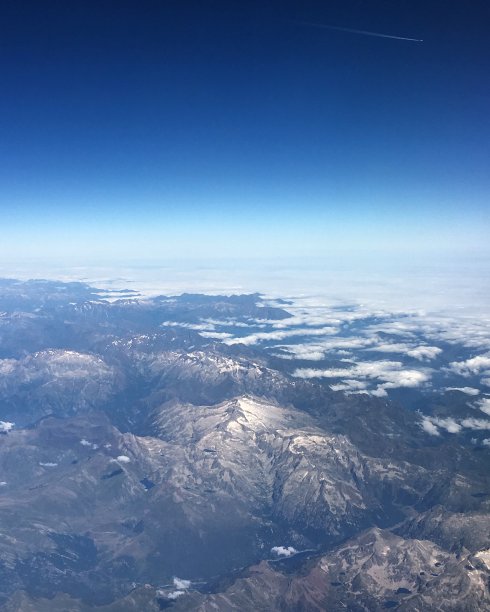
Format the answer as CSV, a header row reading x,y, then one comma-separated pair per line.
x,y
173,128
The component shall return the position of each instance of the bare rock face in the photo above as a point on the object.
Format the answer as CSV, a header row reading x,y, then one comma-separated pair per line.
x,y
374,571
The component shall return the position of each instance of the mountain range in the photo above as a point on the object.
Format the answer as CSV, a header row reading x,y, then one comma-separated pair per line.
x,y
181,452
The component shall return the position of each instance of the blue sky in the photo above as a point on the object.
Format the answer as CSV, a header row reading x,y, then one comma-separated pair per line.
x,y
207,129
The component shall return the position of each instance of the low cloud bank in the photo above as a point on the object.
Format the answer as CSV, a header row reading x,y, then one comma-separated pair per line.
x,y
391,375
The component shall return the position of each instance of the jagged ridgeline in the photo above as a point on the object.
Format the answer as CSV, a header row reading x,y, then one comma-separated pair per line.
x,y
170,452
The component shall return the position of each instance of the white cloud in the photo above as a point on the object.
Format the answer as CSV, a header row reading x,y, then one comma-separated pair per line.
x,y
470,332
194,326
283,551
306,312
449,424
181,584
47,464
307,355
403,378
387,347
429,427
423,353
84,442
315,350
473,423
216,335
467,390
231,323
472,366
349,385
306,320
484,405
281,335
432,424
394,328
175,594
329,373
6,426
123,459
391,373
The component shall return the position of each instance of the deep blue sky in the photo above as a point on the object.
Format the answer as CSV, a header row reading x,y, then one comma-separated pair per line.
x,y
165,128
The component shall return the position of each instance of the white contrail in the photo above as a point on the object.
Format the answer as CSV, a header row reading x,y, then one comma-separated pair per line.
x,y
352,31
